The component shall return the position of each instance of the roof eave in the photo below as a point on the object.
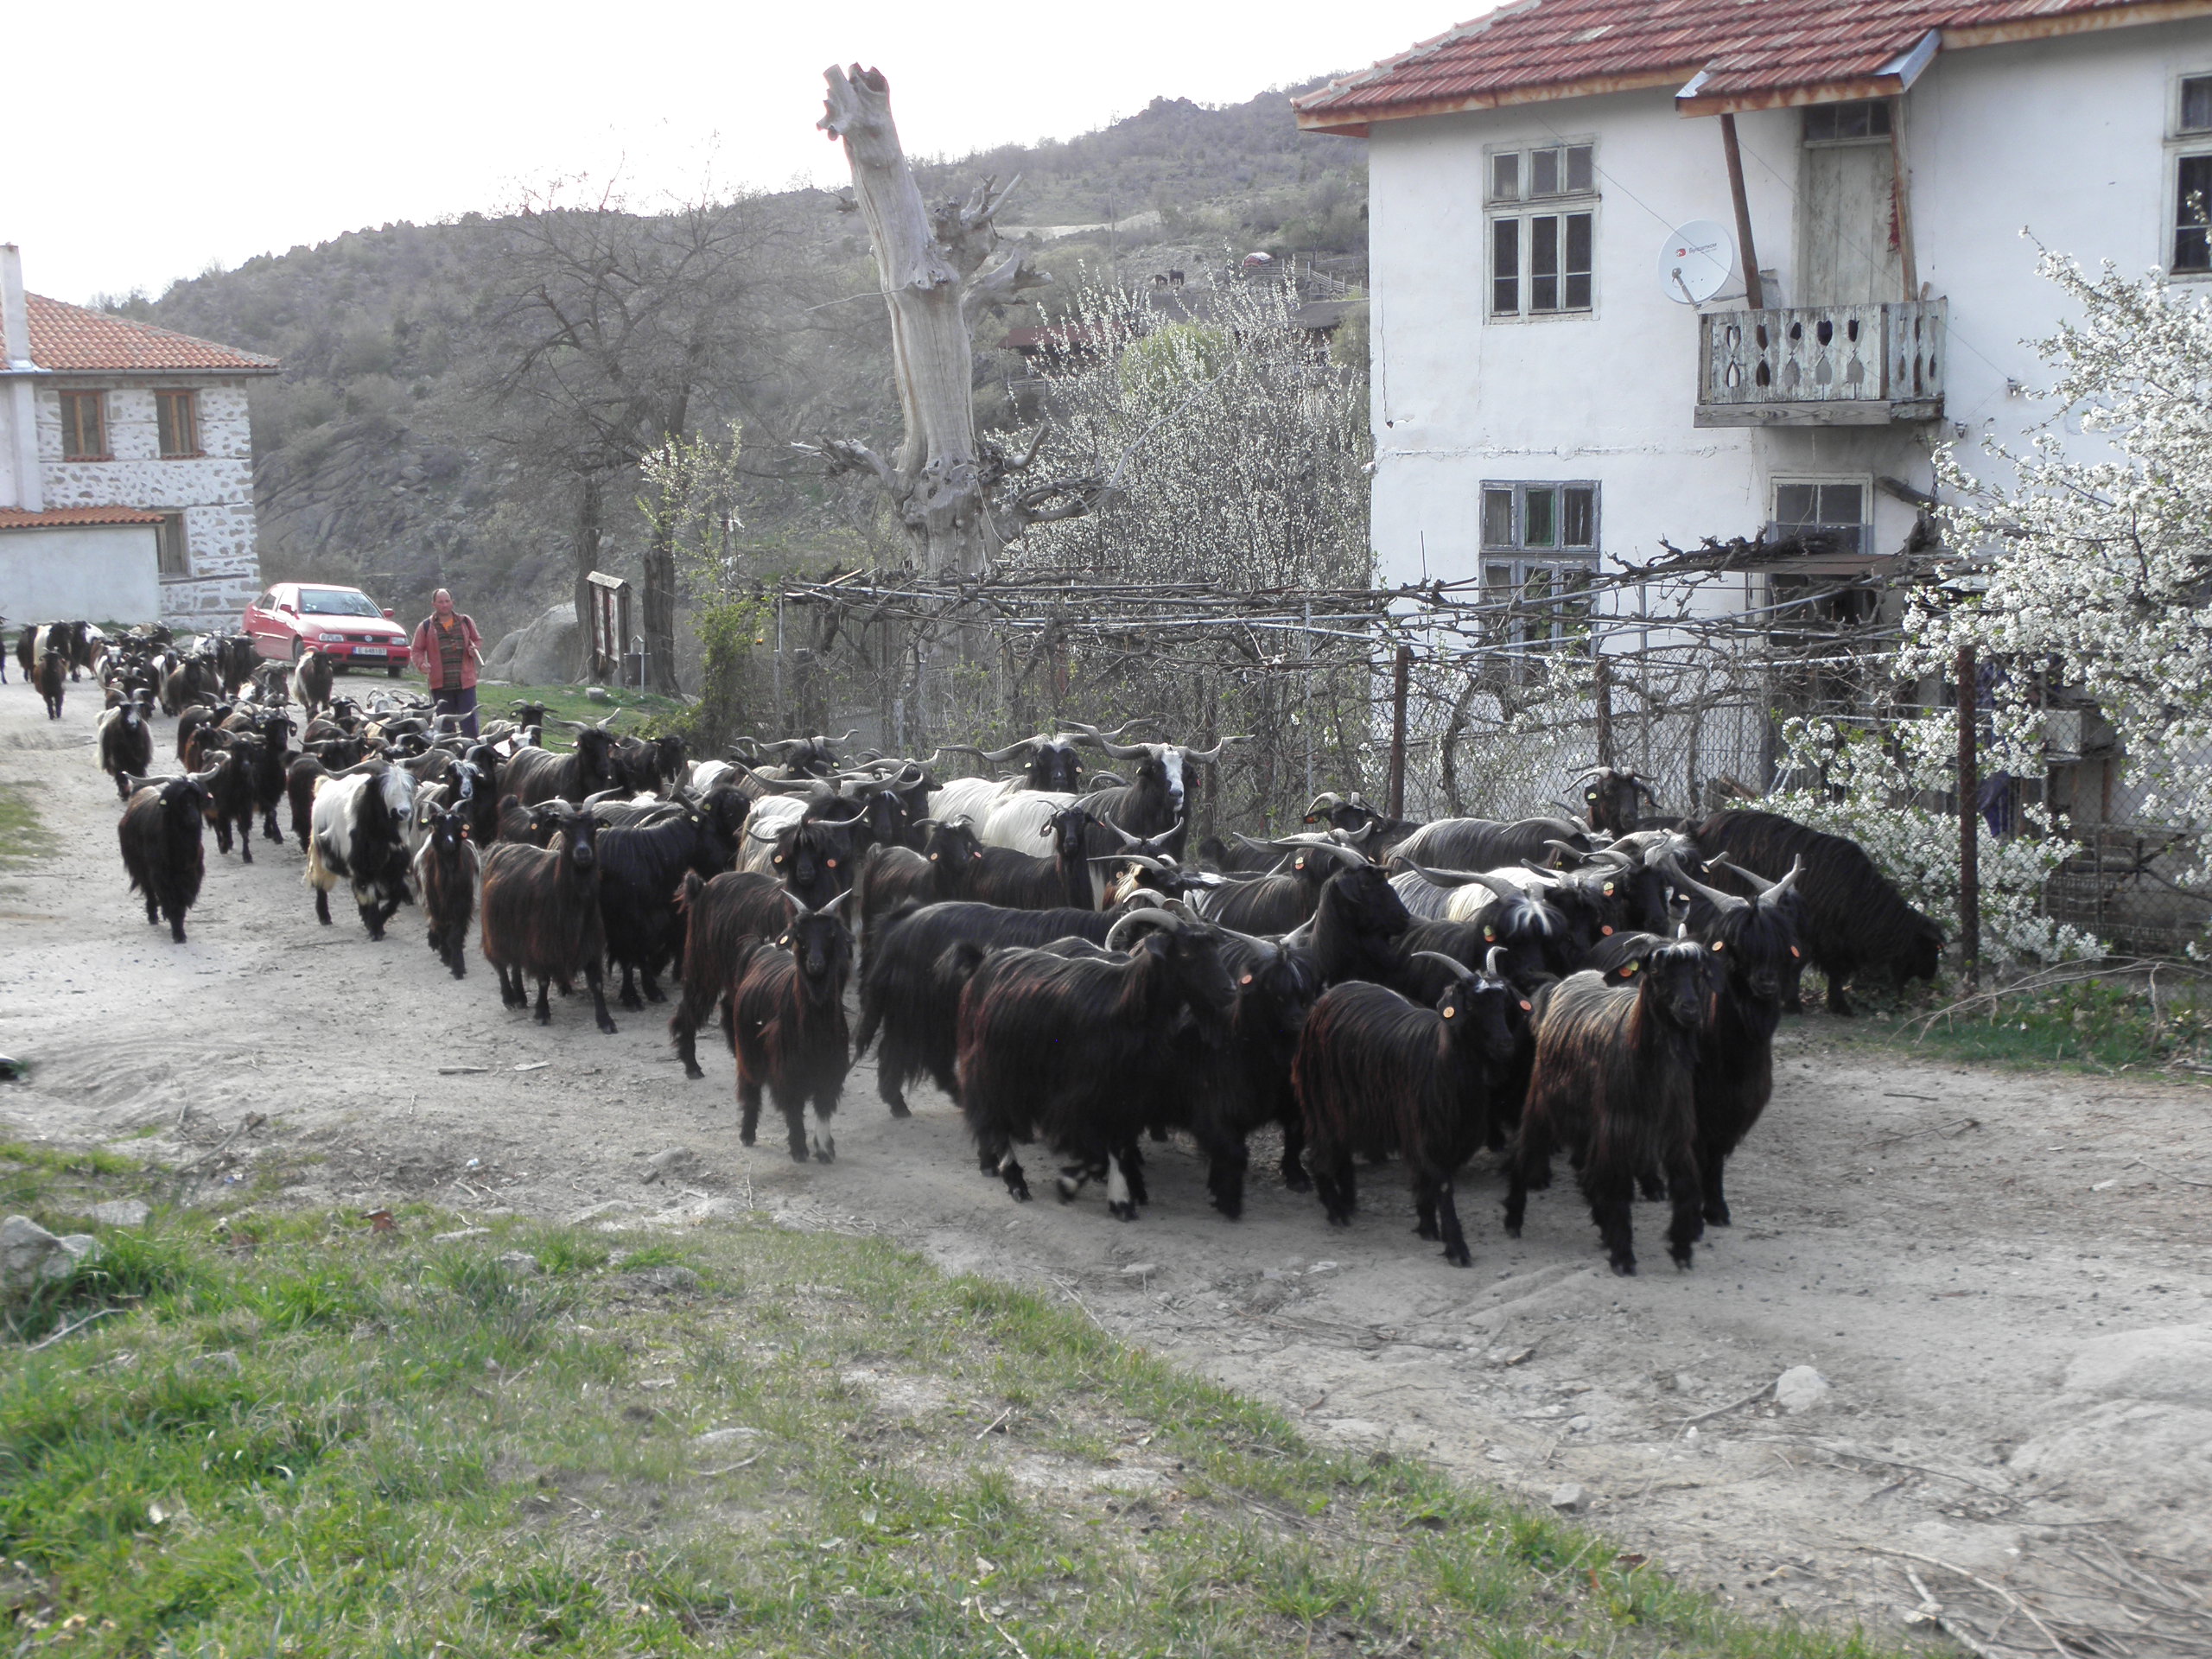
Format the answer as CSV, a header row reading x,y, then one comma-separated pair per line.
x,y
1350,116
138,371
2075,23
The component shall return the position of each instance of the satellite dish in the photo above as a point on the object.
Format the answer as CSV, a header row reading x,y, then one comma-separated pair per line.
x,y
1696,262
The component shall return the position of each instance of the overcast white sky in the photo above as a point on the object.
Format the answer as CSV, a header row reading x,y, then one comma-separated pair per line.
x,y
162,138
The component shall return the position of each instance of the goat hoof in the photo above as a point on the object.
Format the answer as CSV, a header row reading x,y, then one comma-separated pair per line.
x,y
1717,1216
1122,1211
1459,1258
1337,1219
608,1025
899,1108
1425,1230
1298,1183
826,1152
544,1016
1625,1268
692,1071
654,994
1066,1188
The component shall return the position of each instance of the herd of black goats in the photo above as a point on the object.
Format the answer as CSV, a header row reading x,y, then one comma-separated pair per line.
x,y
1043,946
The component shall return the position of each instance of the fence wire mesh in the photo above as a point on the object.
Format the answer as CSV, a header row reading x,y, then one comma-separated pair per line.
x,y
1685,676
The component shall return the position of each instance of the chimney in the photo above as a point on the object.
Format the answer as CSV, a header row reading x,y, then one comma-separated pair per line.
x,y
21,484
15,318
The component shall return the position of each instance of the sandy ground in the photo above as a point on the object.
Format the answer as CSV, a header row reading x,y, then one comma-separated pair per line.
x,y
2012,1316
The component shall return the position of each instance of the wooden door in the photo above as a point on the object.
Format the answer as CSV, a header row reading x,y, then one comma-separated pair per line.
x,y
1847,225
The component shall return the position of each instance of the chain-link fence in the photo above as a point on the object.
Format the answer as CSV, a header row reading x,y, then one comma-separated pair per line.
x,y
1507,698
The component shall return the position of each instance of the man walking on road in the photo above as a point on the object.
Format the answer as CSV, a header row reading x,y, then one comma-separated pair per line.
x,y
447,648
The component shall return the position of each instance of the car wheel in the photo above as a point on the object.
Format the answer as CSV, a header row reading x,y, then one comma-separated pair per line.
x,y
395,672
299,647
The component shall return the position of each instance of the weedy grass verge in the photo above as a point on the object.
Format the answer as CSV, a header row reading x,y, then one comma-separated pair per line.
x,y
312,1434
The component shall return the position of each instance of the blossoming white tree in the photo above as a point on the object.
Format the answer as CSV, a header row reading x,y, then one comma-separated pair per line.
x,y
2094,572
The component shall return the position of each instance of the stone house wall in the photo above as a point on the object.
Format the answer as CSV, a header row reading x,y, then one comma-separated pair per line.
x,y
214,489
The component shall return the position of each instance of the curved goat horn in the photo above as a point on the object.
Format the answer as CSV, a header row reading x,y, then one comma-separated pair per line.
x,y
1009,752
1119,750
1491,961
1458,967
1143,859
831,908
1445,878
1151,916
1714,895
1207,757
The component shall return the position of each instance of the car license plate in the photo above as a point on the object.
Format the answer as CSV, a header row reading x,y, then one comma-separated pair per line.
x,y
369,650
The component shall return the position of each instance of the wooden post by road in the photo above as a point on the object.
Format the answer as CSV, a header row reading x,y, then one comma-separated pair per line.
x,y
1401,680
1605,711
1969,824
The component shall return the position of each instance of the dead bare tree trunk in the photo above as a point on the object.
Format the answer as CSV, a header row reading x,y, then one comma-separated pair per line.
x,y
938,274
659,606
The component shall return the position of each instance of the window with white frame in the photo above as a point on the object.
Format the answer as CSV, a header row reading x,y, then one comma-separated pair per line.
x,y
2192,214
1539,549
1822,507
1542,206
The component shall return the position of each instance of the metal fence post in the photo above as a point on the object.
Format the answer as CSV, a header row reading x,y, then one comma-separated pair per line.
x,y
1604,709
1401,680
1969,825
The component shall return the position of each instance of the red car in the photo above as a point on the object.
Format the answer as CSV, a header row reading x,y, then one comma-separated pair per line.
x,y
344,624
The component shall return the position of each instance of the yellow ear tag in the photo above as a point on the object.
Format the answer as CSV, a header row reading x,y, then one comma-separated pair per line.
x,y
1609,889
1448,1013
1718,946
935,857
1628,968
1489,935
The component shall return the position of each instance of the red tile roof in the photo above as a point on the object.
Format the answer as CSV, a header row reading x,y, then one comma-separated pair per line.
x,y
1751,53
69,337
62,518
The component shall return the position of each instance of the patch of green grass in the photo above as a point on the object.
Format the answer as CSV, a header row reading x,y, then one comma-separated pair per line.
x,y
295,1435
23,836
2069,1018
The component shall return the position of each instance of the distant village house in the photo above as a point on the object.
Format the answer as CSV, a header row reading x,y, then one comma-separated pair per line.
x,y
126,468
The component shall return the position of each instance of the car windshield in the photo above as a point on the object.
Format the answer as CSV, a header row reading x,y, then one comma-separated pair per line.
x,y
336,601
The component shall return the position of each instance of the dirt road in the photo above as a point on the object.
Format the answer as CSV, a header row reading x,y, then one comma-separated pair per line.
x,y
2003,1278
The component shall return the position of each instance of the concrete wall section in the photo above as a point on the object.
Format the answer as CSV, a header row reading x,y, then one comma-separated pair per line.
x,y
104,573
2068,137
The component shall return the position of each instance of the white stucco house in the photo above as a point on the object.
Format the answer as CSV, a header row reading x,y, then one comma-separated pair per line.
x,y
126,468
1544,401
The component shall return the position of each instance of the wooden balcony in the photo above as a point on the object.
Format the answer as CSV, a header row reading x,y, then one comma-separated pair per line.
x,y
1822,366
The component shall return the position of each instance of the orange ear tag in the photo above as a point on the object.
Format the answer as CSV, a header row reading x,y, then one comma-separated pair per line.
x,y
1489,935
831,862
1607,931
1628,968
1718,946
1795,952
1246,980
1448,1013
1527,1006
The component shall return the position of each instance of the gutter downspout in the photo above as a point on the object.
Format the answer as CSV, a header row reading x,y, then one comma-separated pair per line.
x,y
16,368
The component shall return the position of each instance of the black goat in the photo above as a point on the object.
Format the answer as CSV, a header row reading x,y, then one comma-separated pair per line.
x,y
1357,928
1222,1091
814,857
892,877
1277,903
905,1000
786,1018
1614,1084
1069,1050
48,678
1611,796
163,850
1485,843
1853,918
1353,818
720,918
230,791
535,775
445,875
641,869
126,741
1754,941
541,917
1379,1076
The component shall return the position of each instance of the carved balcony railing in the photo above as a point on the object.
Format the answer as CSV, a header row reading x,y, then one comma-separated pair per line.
x,y
1823,364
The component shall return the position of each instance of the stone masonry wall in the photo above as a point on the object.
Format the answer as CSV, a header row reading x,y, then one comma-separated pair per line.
x,y
214,489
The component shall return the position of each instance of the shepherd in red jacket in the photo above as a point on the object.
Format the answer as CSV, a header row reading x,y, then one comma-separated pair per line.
x,y
449,648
